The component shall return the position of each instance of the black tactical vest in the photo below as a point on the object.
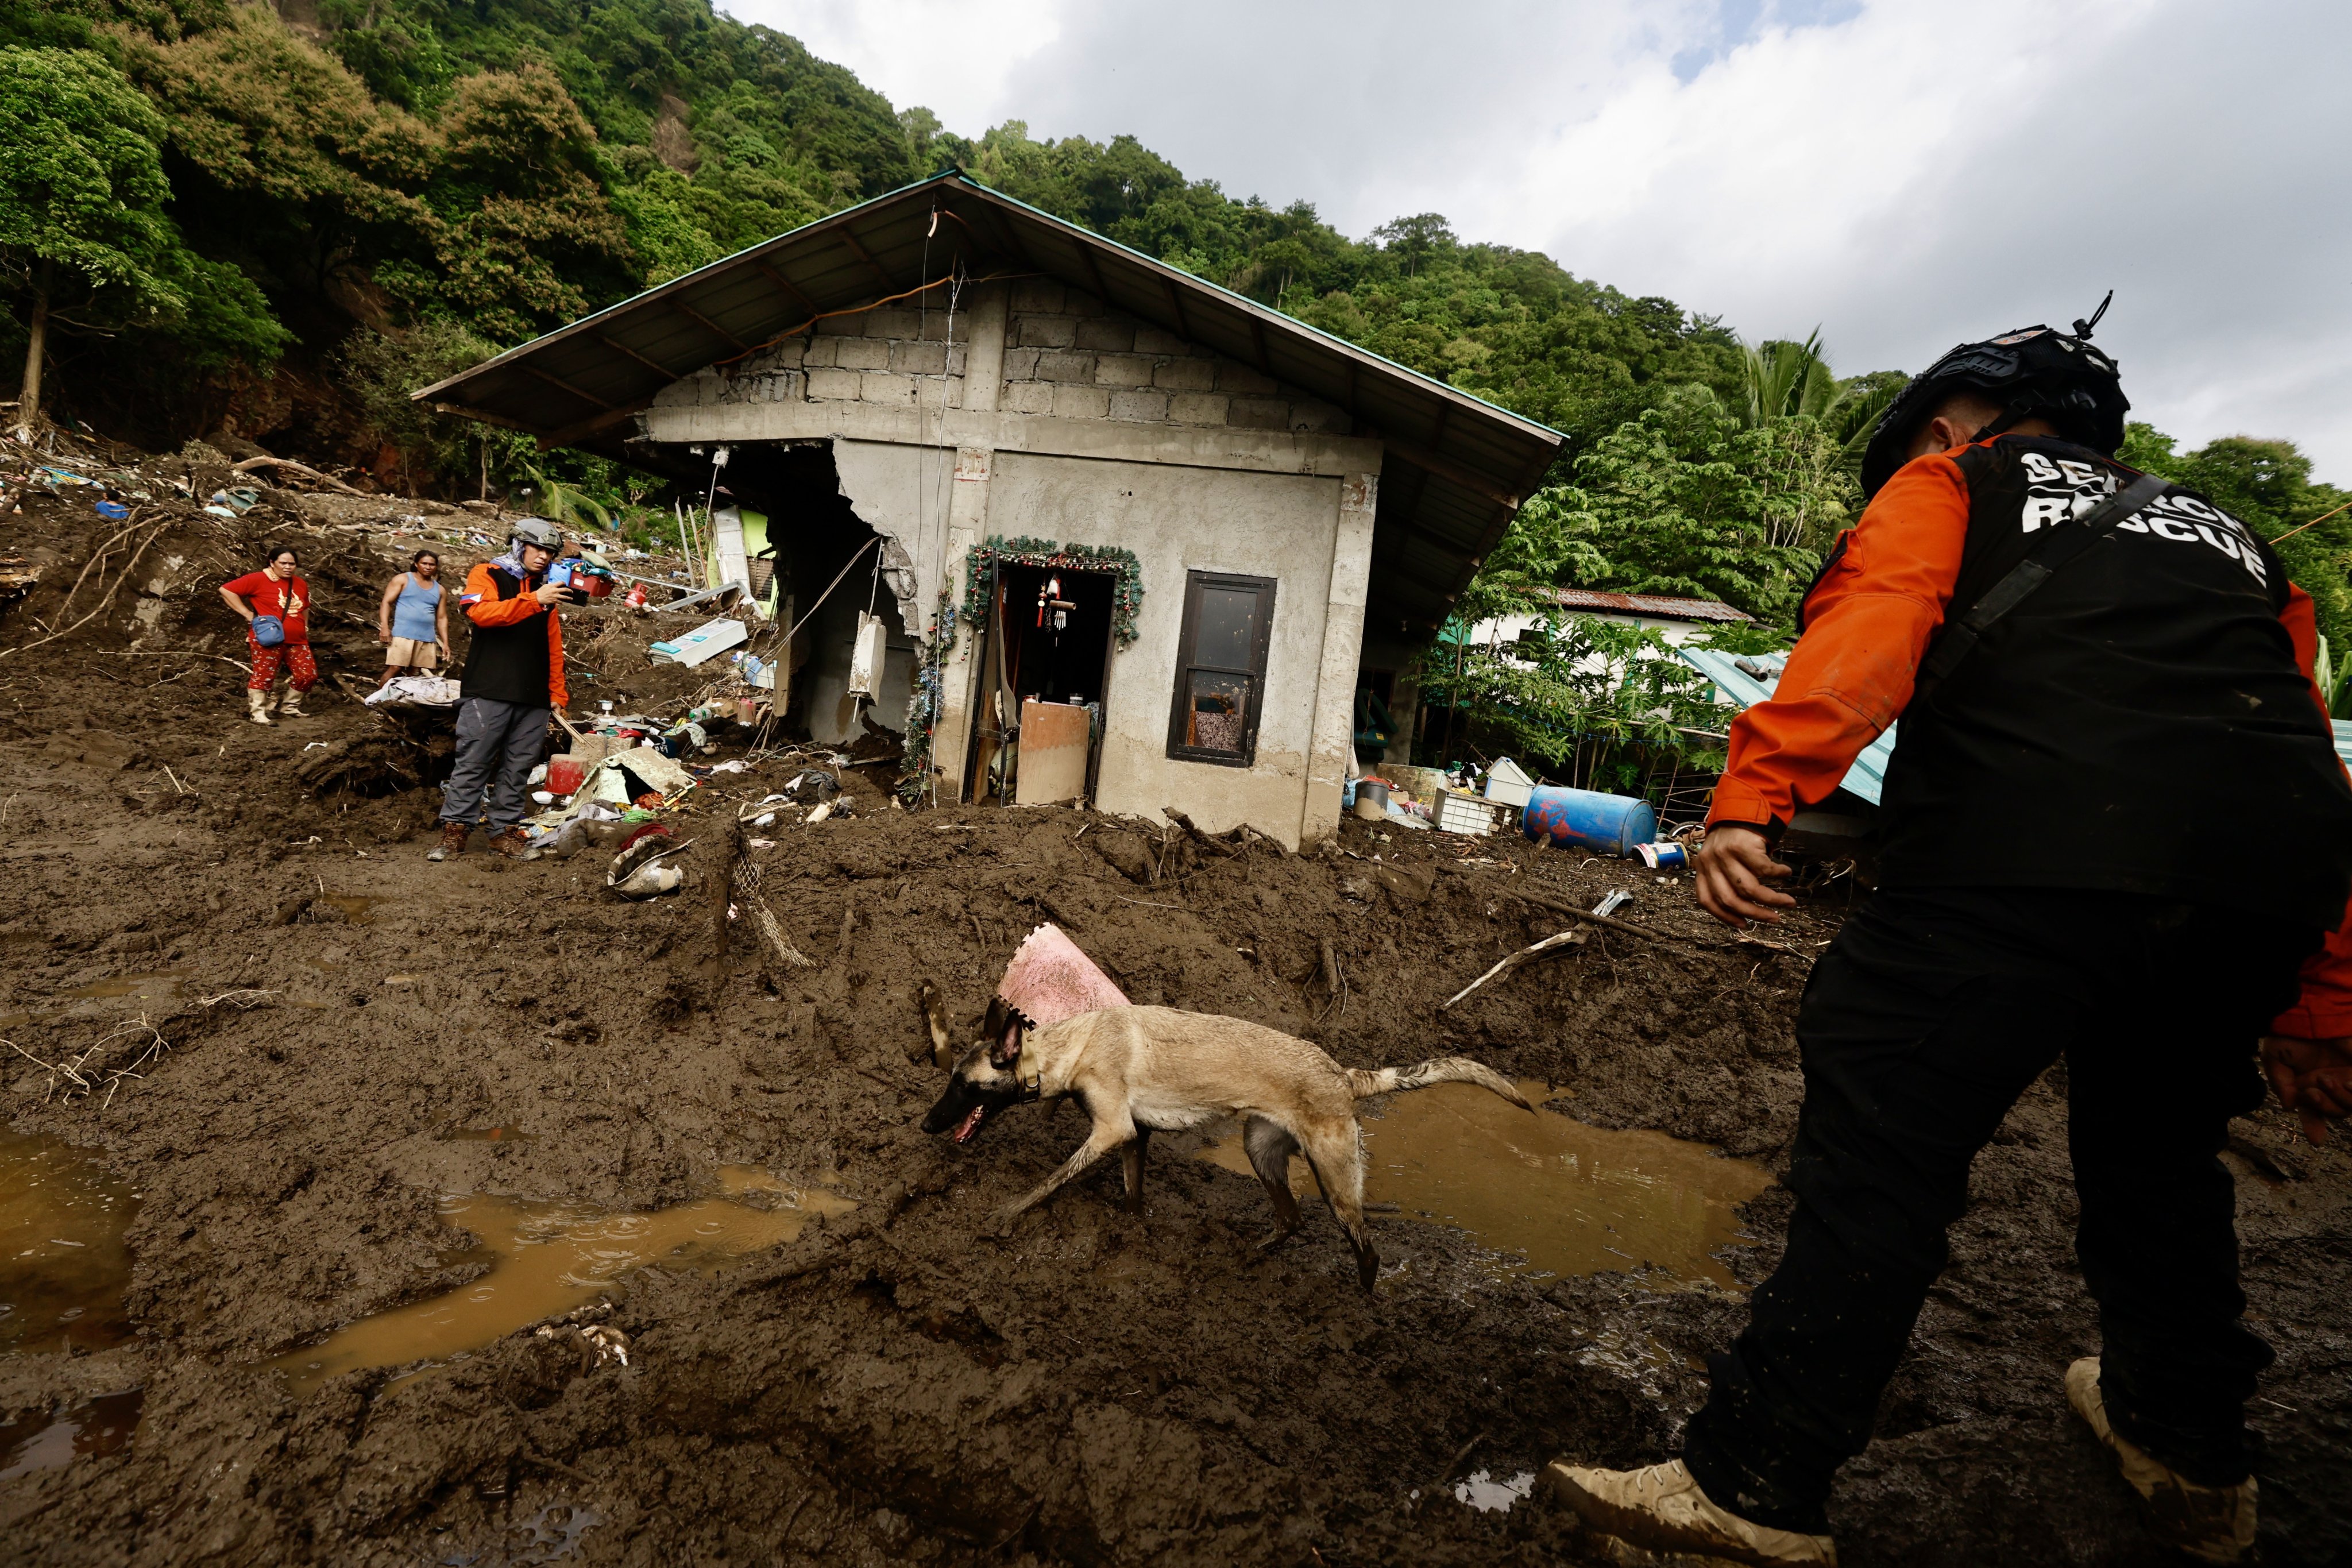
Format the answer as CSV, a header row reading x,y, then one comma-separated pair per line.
x,y
509,663
2137,723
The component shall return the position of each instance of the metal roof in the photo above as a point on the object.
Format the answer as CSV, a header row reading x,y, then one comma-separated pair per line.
x,y
1456,470
1664,606
1751,678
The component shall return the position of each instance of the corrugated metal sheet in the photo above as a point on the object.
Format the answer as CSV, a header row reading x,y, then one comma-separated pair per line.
x,y
1664,606
1753,684
1456,466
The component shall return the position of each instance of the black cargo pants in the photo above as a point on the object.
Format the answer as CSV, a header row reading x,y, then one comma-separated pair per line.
x,y
1920,1026
498,745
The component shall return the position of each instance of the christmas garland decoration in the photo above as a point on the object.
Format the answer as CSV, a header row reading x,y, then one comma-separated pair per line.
x,y
1127,592
924,702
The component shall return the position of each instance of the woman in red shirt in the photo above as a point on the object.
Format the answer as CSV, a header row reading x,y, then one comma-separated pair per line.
x,y
276,593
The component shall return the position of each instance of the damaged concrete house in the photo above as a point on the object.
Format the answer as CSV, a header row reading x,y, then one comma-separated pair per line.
x,y
1131,537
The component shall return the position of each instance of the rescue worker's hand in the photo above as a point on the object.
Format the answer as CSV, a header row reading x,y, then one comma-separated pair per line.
x,y
2312,1077
1733,866
552,593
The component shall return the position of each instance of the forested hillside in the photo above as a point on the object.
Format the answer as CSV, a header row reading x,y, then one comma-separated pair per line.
x,y
273,223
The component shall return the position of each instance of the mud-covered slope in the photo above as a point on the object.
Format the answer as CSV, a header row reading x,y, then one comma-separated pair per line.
x,y
900,1383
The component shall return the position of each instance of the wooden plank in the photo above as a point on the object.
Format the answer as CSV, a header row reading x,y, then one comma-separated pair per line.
x,y
1176,303
849,239
707,324
1445,468
561,384
661,369
1094,272
604,421
781,281
487,417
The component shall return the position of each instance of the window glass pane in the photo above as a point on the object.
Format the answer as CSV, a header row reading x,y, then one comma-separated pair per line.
x,y
1227,629
1215,706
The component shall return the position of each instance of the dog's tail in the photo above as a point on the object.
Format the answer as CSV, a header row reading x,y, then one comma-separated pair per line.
x,y
1437,1069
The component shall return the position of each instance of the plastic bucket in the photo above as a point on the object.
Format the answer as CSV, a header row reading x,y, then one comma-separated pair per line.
x,y
564,775
1588,820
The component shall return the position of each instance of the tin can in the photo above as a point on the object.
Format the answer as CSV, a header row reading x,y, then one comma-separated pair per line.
x,y
1668,857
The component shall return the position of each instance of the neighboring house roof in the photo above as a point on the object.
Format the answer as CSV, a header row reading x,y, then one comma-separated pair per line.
x,y
1751,678
1456,470
1662,607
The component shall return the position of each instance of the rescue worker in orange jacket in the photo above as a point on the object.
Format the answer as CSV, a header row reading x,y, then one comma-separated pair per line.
x,y
513,686
2086,688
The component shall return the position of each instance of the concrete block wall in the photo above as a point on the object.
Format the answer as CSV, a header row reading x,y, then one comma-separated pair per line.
x,y
892,357
1068,355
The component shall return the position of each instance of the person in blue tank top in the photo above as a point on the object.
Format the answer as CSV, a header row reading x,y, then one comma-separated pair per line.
x,y
412,620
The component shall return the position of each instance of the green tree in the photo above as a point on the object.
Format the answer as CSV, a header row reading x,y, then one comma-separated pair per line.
x,y
82,224
1683,500
1781,379
524,236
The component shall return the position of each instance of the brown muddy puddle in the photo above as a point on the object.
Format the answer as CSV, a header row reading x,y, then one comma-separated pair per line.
x,y
1557,1196
165,986
90,1430
357,909
549,1258
63,1261
162,986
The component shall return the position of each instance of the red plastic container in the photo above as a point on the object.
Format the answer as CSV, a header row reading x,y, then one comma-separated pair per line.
x,y
564,775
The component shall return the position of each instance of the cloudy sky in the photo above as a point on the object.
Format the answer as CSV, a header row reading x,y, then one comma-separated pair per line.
x,y
1903,174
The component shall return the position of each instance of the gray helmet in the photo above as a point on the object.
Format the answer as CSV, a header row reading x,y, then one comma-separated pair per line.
x,y
537,530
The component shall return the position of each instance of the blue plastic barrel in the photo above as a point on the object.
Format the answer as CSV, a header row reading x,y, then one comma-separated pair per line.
x,y
1588,820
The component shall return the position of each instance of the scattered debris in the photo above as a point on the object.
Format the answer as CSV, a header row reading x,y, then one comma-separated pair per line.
x,y
1615,899
637,872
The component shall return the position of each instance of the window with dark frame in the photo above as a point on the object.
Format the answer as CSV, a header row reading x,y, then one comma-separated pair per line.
x,y
1221,668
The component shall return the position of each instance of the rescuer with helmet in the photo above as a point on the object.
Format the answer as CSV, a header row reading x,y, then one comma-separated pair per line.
x,y
2089,664
513,686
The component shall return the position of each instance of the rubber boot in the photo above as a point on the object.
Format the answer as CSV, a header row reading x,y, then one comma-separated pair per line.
x,y
2212,1524
1662,1508
290,705
256,705
514,844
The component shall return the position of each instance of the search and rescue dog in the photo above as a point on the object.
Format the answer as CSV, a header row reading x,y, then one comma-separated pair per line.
x,y
1140,1070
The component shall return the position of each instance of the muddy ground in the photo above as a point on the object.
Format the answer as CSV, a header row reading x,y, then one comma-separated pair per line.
x,y
896,1386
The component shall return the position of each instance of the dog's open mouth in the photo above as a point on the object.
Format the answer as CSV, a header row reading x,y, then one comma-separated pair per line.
x,y
970,1124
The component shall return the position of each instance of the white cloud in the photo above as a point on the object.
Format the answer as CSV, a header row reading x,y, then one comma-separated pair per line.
x,y
1903,174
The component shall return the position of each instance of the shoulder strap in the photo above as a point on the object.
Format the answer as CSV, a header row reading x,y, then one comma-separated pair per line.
x,y
2060,545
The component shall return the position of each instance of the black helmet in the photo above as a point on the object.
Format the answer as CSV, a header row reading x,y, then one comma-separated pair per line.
x,y
2031,372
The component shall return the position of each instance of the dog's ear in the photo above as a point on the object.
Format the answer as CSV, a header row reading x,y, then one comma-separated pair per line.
x,y
1004,1032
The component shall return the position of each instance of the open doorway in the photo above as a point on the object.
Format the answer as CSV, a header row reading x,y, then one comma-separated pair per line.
x,y
1045,671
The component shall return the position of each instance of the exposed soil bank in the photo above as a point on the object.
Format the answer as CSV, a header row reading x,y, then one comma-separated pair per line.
x,y
895,1384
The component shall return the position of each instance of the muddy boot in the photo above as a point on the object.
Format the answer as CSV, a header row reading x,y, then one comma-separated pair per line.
x,y
514,844
1662,1508
257,707
453,842
2212,1524
290,705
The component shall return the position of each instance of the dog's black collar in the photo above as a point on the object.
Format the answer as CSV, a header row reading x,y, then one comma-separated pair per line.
x,y
1033,1090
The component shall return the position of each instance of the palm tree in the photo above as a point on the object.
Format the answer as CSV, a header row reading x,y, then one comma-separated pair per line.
x,y
1779,378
